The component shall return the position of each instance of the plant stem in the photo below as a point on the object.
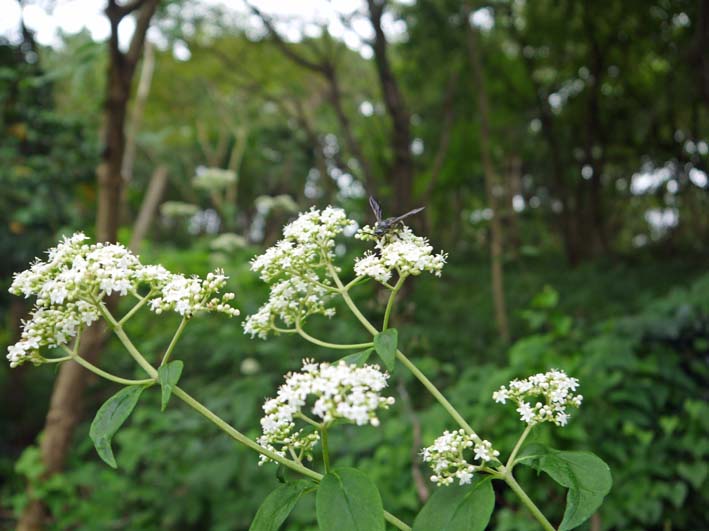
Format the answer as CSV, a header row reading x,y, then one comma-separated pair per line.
x,y
103,374
326,344
404,360
208,414
511,461
173,342
390,302
527,501
421,377
56,360
325,449
135,308
127,343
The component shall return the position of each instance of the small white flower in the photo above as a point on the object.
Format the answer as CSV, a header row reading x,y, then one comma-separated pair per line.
x,y
447,456
556,389
296,268
71,283
400,250
341,392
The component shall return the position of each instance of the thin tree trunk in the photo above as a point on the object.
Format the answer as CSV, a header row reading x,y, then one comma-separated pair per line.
x,y
492,186
402,170
136,115
65,406
152,198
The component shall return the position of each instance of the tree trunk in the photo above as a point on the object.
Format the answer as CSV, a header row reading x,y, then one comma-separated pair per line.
x,y
402,170
493,190
149,206
65,406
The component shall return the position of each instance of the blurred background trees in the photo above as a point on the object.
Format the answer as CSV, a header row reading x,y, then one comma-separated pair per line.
x,y
573,156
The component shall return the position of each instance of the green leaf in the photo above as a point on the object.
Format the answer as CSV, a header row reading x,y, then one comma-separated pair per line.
x,y
168,376
347,500
695,472
110,417
586,475
358,358
458,508
386,344
278,505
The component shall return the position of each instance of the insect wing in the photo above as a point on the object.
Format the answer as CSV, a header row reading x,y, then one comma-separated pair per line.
x,y
409,213
375,208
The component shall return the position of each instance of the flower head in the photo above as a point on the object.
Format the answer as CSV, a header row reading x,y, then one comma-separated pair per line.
x,y
401,251
451,455
71,283
554,392
296,267
213,179
329,392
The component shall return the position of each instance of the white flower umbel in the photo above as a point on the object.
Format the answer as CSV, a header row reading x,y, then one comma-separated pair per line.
x,y
398,250
71,283
213,179
451,455
296,267
556,391
336,392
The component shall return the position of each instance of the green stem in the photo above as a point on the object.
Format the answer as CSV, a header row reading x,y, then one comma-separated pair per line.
x,y
243,439
527,501
127,343
306,418
325,449
240,437
173,342
404,360
421,377
326,344
390,302
353,283
56,360
103,374
215,419
135,308
511,461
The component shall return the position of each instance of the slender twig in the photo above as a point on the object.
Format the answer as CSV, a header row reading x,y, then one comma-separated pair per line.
x,y
511,461
326,344
390,302
173,342
56,360
103,374
400,356
325,449
135,308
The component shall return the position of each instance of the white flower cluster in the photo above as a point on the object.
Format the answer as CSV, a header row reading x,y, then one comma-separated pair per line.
x,y
448,459
341,391
76,276
178,209
294,266
398,250
557,390
227,242
213,179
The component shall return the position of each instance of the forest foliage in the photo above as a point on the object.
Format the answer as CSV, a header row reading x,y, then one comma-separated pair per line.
x,y
599,144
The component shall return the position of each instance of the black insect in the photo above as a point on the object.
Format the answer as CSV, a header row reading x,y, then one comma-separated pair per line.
x,y
383,226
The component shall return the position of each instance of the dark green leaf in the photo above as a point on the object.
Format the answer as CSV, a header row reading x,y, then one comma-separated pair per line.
x,y
458,508
347,500
586,475
168,376
386,344
278,505
110,417
358,358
